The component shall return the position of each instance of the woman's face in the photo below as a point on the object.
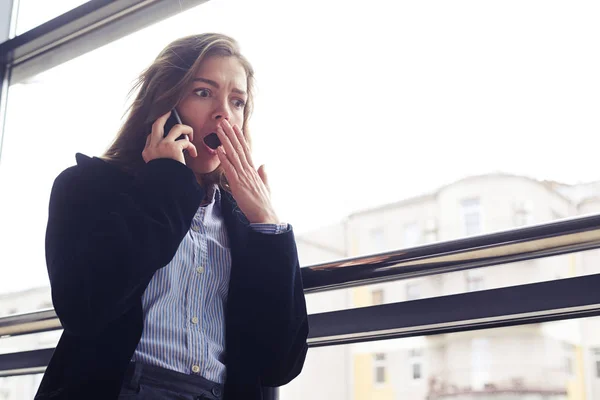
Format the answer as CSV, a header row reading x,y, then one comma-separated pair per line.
x,y
218,92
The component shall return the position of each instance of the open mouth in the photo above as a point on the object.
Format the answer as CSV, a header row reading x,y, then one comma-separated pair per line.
x,y
212,140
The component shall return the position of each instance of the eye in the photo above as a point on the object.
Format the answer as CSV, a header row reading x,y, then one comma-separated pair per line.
x,y
202,92
239,103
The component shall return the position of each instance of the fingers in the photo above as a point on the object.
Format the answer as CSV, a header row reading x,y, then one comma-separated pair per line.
x,y
186,145
235,145
228,168
158,127
242,139
262,172
179,130
231,152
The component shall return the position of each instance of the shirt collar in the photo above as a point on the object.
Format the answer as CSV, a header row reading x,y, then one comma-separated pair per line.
x,y
213,194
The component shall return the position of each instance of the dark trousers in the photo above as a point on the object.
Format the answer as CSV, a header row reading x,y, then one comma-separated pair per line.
x,y
147,382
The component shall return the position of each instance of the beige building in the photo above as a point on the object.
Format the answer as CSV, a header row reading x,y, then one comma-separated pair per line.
x,y
535,362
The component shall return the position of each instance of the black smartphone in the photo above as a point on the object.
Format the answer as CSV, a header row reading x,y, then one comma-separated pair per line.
x,y
173,120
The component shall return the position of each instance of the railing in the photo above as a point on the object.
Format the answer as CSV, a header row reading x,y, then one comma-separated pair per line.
x,y
545,301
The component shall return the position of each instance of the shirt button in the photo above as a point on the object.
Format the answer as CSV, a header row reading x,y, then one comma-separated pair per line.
x,y
200,270
195,369
195,228
195,320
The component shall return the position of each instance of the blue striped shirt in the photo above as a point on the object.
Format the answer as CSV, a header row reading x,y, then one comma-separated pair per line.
x,y
184,304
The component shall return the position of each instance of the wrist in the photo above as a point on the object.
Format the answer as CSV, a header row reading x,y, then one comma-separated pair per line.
x,y
266,219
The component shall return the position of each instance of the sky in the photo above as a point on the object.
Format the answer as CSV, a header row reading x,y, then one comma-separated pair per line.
x,y
358,103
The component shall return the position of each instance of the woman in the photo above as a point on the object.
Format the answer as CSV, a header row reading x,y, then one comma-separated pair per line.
x,y
171,274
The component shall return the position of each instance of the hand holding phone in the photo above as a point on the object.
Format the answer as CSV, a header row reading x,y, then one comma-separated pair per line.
x,y
157,147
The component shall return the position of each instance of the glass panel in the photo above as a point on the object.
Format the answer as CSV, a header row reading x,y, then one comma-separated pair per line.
x,y
19,387
357,110
33,13
515,363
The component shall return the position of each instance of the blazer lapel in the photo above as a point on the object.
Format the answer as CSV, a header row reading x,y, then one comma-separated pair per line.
x,y
237,224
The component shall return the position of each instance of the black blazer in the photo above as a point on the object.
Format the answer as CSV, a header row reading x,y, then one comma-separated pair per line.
x,y
109,232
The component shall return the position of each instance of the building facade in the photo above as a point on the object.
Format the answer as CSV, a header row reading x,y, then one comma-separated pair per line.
x,y
556,361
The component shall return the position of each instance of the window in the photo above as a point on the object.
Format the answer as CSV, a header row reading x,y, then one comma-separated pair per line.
x,y
412,234
377,297
416,371
568,365
480,363
471,215
412,291
416,364
379,362
431,231
598,369
34,12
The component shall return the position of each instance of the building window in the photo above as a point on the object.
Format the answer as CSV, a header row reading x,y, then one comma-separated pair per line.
x,y
474,280
430,235
380,368
480,363
412,234
598,369
471,216
377,239
523,213
416,371
568,365
416,364
413,291
377,297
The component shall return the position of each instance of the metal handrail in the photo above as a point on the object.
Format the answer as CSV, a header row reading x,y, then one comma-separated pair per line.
x,y
32,322
554,238
536,241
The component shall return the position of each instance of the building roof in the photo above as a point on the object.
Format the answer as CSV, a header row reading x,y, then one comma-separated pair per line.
x,y
552,186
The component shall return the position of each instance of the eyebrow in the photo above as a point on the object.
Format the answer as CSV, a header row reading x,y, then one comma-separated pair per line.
x,y
216,85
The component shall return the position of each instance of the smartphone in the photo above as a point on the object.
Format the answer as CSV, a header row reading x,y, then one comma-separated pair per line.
x,y
173,120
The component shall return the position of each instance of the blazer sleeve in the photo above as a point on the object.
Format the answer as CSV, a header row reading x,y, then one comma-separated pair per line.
x,y
103,246
278,313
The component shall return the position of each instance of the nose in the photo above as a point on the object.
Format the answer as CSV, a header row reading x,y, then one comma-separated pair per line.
x,y
222,112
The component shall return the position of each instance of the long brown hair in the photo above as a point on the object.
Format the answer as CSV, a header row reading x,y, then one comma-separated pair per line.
x,y
162,86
